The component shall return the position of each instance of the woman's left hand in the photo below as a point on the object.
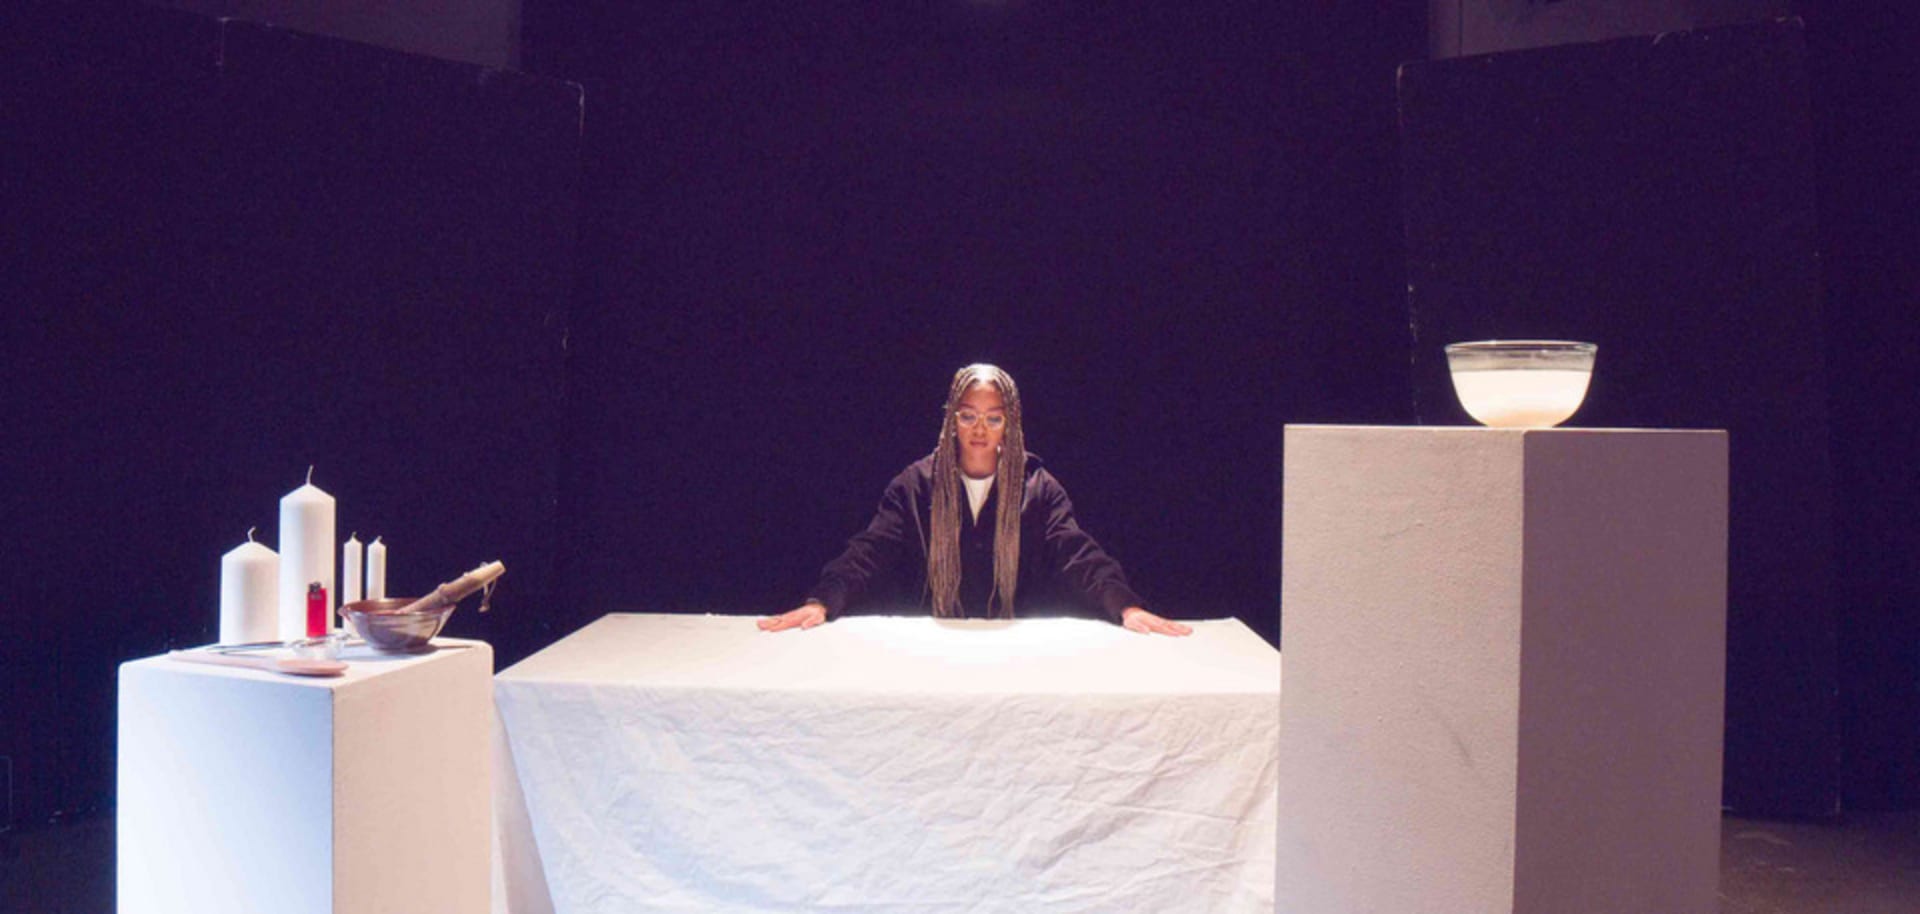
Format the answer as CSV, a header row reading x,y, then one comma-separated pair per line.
x,y
1139,620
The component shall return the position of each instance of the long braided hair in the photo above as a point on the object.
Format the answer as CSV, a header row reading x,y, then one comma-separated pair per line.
x,y
1010,475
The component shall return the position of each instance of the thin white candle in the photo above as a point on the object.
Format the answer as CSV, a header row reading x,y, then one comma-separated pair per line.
x,y
350,580
306,555
249,580
376,570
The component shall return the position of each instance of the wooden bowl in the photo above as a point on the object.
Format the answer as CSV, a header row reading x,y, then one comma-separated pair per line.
x,y
385,628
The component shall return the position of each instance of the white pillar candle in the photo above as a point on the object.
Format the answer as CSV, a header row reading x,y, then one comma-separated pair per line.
x,y
350,570
376,570
249,582
306,555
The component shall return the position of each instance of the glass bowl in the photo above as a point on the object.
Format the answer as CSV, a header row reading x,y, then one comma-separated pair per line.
x,y
1521,383
385,628
325,647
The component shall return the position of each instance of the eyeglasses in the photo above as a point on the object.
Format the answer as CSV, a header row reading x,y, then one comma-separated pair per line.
x,y
968,419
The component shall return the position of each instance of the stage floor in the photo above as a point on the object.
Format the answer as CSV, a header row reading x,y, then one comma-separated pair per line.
x,y
1868,864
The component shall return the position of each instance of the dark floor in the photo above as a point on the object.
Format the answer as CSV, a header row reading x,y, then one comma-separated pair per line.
x,y
1868,864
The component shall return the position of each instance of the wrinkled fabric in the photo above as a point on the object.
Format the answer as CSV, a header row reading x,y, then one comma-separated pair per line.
x,y
695,764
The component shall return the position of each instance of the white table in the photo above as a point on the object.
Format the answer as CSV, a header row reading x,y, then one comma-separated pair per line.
x,y
1507,658
243,791
695,764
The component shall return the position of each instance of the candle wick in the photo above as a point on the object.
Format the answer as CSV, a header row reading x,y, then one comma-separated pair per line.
x,y
250,533
309,474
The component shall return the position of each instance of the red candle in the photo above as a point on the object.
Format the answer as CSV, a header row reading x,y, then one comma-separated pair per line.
x,y
316,610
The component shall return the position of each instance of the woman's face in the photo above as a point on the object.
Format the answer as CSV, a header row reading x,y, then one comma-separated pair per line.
x,y
981,424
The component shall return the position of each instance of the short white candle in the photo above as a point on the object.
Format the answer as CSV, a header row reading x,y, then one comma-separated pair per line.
x,y
376,570
350,580
249,580
306,555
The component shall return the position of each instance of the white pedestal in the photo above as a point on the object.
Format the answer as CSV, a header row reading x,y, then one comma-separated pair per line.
x,y
245,792
1505,670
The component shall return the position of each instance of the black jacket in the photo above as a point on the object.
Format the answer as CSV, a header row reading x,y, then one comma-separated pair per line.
x,y
1062,569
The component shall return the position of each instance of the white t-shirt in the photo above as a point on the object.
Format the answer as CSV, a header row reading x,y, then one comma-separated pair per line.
x,y
976,492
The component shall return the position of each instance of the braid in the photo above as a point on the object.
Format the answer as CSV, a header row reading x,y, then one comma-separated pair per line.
x,y
1013,493
943,548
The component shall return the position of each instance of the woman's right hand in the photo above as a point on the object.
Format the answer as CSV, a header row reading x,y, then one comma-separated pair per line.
x,y
807,615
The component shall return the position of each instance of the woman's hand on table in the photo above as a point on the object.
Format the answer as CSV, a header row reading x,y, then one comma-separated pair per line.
x,y
806,615
1139,620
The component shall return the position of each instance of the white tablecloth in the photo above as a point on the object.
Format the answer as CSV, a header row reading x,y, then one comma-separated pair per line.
x,y
696,764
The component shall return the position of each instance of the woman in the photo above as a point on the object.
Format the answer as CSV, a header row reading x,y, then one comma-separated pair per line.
x,y
989,523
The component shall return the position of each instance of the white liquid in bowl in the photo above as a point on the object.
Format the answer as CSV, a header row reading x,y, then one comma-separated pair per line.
x,y
1521,398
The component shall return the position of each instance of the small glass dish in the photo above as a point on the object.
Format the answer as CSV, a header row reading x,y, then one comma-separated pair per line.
x,y
325,647
1521,383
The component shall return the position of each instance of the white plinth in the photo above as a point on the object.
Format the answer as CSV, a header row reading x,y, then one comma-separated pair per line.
x,y
248,792
1505,670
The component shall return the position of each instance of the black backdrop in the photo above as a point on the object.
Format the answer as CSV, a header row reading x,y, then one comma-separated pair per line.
x,y
812,214
1866,87
233,251
1656,196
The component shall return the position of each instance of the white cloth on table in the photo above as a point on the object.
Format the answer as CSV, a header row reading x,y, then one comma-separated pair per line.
x,y
694,763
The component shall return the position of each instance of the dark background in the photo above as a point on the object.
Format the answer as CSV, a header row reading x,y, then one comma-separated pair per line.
x,y
232,252
655,320
815,215
1682,237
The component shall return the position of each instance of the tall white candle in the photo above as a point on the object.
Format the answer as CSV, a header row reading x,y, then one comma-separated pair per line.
x,y
306,555
350,570
376,570
249,581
